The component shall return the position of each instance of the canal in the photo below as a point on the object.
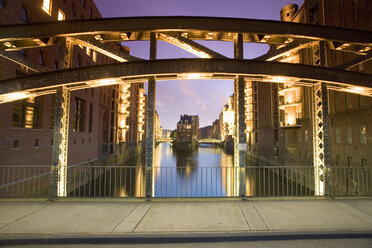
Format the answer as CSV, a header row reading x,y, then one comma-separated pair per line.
x,y
206,172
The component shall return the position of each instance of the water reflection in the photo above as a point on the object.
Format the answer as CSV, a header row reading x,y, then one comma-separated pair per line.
x,y
206,172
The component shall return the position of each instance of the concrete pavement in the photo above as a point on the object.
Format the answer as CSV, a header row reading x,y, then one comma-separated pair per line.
x,y
31,218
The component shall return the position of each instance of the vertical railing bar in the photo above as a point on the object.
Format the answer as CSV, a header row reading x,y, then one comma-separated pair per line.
x,y
7,188
287,175
24,180
216,181
296,181
105,182
171,182
89,182
33,182
13,182
110,182
196,182
95,181
120,186
358,170
166,181
85,181
115,186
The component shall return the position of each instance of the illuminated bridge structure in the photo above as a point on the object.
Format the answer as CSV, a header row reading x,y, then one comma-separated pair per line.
x,y
210,141
183,31
164,140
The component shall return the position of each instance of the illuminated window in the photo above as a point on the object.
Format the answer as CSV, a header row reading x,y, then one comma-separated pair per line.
x,y
363,134
94,56
47,6
61,15
88,51
25,14
26,113
79,115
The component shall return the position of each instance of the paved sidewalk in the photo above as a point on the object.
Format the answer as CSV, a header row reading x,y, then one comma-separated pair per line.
x,y
104,217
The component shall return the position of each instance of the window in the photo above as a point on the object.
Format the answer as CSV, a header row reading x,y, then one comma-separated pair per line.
x,y
27,113
83,2
55,65
349,137
88,51
306,136
79,115
90,117
25,14
73,8
363,134
94,56
15,144
61,15
90,12
42,58
47,6
337,134
36,143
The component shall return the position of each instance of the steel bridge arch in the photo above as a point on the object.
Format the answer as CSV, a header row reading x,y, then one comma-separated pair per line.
x,y
80,78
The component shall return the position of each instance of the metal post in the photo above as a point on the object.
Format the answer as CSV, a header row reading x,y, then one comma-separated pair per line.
x,y
150,138
321,151
240,140
61,126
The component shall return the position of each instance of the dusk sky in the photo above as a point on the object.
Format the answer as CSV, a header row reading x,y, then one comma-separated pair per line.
x,y
203,97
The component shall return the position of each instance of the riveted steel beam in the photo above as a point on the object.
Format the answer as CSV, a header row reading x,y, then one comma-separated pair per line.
x,y
355,62
150,127
96,76
61,126
285,51
14,57
200,27
189,45
240,142
105,49
321,149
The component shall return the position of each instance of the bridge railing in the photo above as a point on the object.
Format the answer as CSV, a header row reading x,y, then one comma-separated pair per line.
x,y
186,181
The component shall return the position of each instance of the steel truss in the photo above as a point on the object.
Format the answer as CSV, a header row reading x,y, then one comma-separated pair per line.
x,y
321,156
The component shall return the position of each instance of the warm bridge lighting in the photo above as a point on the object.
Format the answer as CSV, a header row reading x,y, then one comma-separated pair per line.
x,y
14,96
104,82
194,76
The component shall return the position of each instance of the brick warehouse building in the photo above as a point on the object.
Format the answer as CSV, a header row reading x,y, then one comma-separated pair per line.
x,y
282,114
96,128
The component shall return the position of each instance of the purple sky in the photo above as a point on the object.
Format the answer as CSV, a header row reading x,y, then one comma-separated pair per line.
x,y
203,97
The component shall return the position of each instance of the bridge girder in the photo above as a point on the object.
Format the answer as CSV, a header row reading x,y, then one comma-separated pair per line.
x,y
102,75
194,28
